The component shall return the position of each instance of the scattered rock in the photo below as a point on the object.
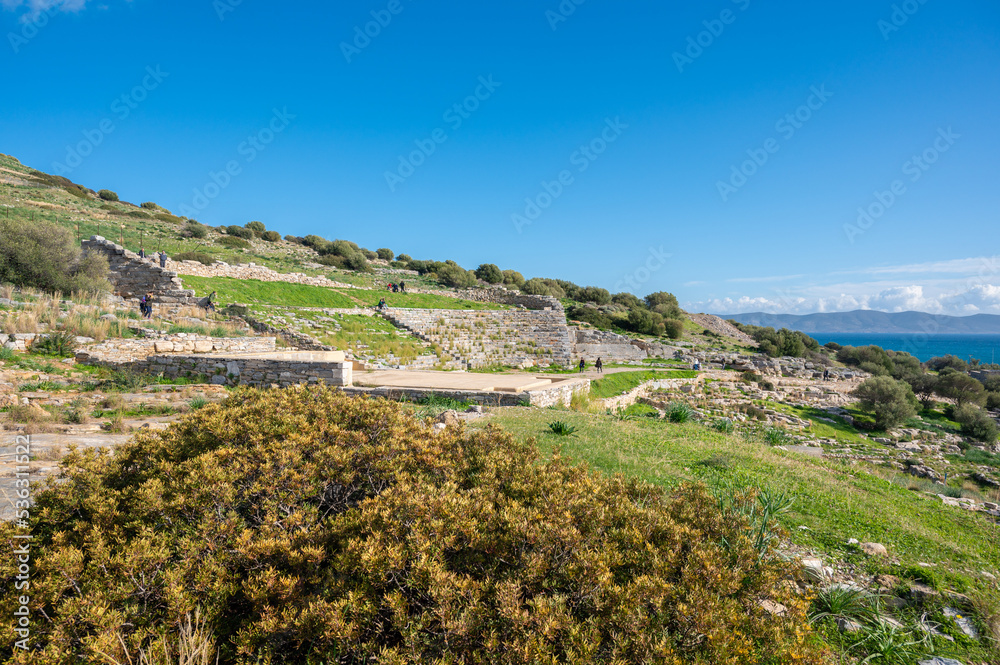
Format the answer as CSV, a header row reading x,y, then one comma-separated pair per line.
x,y
932,629
773,608
963,622
848,625
449,417
812,570
921,593
874,549
985,480
886,581
938,660
475,408
921,471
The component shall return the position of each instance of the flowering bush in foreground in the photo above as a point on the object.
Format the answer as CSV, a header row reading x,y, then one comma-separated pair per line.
x,y
306,526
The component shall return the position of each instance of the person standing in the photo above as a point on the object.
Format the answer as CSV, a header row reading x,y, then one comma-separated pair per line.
x,y
402,287
582,364
163,259
600,366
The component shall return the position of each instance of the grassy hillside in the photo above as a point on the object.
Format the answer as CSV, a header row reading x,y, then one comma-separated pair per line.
x,y
949,548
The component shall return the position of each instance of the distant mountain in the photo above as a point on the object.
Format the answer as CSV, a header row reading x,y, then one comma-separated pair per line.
x,y
870,321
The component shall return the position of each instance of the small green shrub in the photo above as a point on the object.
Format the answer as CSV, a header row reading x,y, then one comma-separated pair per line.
x,y
45,256
385,253
332,260
149,205
198,403
679,412
77,412
673,328
976,423
195,230
884,644
775,436
60,345
256,228
232,242
6,354
239,232
167,217
562,429
724,425
107,195
841,601
200,257
271,236
489,273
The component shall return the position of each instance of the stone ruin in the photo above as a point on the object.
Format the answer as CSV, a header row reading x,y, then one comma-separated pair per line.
x,y
133,276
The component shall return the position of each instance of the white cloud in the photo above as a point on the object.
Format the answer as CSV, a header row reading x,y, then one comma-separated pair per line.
x,y
36,7
903,299
971,299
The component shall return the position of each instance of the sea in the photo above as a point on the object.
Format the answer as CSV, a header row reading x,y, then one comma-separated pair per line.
x,y
985,348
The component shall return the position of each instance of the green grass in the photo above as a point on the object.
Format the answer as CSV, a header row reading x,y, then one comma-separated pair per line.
x,y
622,382
835,501
838,429
370,298
373,336
254,292
283,294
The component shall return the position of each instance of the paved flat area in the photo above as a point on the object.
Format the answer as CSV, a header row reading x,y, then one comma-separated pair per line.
x,y
458,380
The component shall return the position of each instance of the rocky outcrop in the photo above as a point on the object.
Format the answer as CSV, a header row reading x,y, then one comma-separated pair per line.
x,y
720,327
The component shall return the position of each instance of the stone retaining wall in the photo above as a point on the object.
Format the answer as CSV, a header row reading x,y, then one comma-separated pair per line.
x,y
290,337
252,271
482,338
133,276
559,394
643,390
498,296
120,353
608,346
282,369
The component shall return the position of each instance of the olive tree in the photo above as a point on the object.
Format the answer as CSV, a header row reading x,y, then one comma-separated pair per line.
x,y
891,402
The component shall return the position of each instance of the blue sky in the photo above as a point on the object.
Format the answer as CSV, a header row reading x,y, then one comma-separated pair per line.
x,y
723,151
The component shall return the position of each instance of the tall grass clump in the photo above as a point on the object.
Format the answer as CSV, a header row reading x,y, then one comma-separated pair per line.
x,y
679,412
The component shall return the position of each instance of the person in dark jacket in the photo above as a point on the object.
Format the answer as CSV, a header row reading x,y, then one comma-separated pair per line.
x,y
600,366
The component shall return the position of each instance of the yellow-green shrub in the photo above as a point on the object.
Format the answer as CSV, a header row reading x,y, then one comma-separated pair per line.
x,y
308,526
